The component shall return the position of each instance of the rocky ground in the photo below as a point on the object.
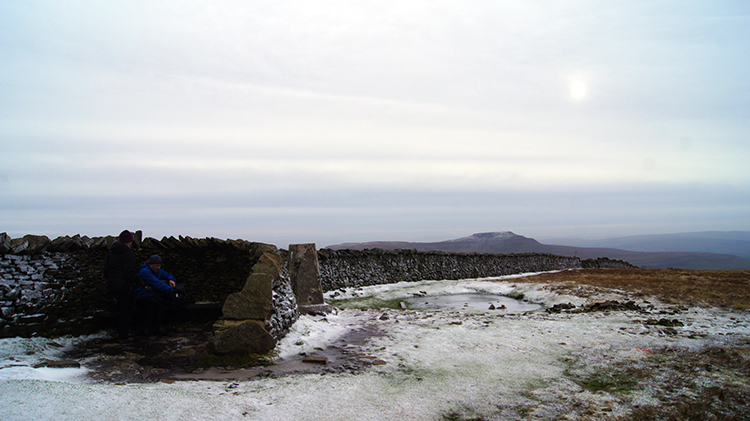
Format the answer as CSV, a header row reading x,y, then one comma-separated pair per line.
x,y
180,354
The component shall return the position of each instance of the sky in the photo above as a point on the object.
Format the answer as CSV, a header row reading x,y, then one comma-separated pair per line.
x,y
334,121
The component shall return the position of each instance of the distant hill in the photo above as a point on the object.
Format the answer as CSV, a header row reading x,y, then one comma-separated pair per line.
x,y
508,242
720,242
488,242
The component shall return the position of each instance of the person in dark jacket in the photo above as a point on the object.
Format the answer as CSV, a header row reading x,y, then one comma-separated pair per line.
x,y
159,290
121,272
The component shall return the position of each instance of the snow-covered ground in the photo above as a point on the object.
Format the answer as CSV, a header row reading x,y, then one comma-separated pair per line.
x,y
438,365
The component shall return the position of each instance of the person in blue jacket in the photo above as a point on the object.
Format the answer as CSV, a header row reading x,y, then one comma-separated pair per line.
x,y
153,298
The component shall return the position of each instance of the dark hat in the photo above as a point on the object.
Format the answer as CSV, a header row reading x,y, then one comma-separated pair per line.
x,y
126,237
154,260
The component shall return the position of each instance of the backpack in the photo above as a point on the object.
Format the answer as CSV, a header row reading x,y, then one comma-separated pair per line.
x,y
181,298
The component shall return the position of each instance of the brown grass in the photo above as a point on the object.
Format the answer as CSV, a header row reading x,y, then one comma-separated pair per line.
x,y
685,384
725,289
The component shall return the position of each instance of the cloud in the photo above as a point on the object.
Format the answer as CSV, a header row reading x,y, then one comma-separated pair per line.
x,y
348,101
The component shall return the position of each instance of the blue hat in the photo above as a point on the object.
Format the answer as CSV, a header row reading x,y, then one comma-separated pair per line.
x,y
154,260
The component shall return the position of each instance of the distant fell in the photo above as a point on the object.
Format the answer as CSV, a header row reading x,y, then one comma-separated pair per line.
x,y
486,242
720,242
506,242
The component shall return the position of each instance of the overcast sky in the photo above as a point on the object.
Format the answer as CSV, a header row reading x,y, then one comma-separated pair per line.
x,y
333,121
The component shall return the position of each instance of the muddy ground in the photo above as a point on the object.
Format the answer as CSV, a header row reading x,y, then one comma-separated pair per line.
x,y
180,354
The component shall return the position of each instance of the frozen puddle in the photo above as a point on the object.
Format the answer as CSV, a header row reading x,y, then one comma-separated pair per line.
x,y
468,294
470,302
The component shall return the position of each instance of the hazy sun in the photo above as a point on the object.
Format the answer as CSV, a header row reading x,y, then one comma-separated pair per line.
x,y
577,90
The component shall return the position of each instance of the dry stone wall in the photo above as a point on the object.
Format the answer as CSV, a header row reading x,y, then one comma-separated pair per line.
x,y
56,287
49,293
355,268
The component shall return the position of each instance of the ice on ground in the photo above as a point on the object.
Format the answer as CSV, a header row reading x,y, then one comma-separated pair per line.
x,y
469,302
441,287
501,285
310,332
438,363
19,356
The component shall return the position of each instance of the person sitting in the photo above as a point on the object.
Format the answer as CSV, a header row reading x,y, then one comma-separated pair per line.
x,y
153,298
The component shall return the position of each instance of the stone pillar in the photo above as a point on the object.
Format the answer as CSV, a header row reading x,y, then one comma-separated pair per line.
x,y
304,274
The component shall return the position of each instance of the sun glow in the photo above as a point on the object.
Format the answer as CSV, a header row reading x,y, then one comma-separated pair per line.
x,y
577,90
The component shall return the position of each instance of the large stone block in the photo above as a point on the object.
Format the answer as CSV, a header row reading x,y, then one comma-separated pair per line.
x,y
246,338
4,243
304,274
222,325
29,244
255,301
